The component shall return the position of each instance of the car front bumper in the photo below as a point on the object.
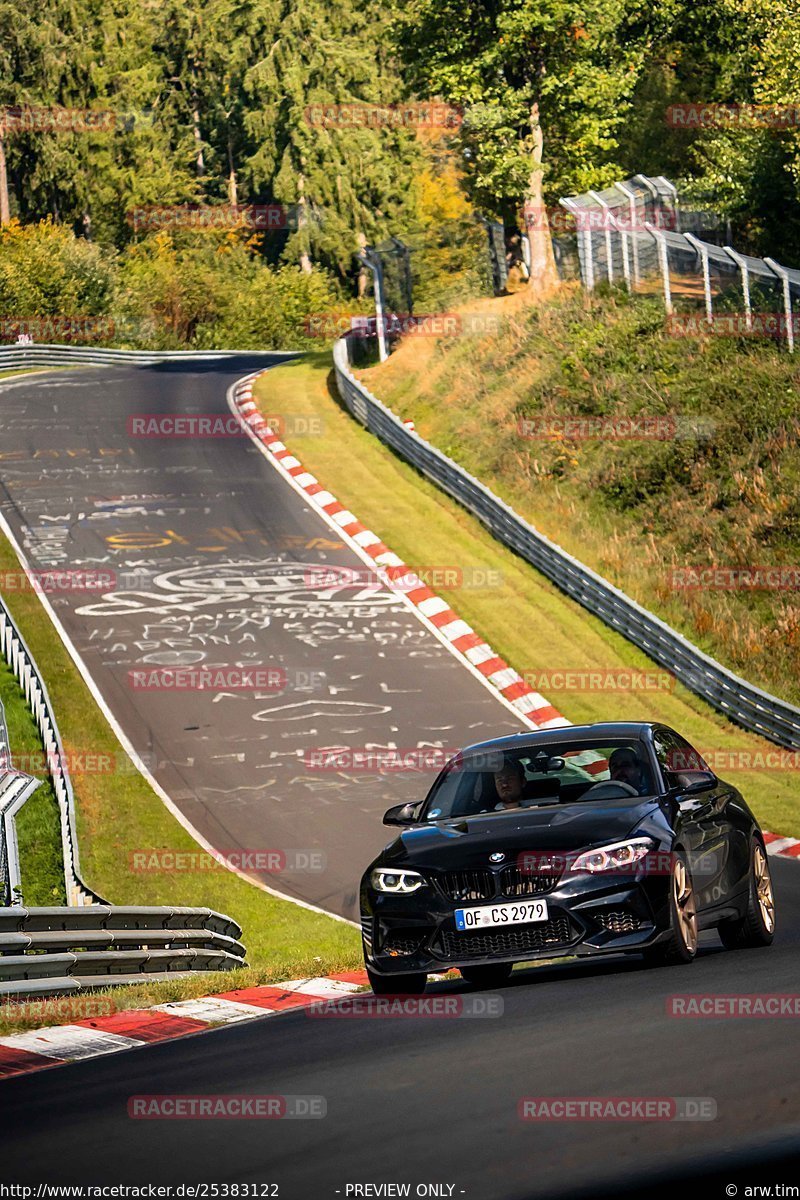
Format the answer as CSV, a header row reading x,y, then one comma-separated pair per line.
x,y
587,916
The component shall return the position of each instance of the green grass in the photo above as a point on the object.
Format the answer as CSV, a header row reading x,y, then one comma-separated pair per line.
x,y
524,617
38,822
632,509
35,370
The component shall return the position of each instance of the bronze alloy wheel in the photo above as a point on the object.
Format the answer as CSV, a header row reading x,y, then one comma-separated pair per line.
x,y
756,927
763,882
683,898
681,944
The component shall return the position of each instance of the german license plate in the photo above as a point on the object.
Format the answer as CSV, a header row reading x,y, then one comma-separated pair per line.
x,y
501,914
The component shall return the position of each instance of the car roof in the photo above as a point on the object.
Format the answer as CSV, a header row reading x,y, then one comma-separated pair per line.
x,y
599,731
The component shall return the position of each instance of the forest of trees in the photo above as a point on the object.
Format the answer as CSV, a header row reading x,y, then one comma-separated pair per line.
x,y
108,109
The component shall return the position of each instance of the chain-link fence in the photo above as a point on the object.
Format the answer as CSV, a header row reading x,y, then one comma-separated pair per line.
x,y
636,235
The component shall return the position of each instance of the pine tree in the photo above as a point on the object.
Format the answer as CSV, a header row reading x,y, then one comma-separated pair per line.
x,y
326,70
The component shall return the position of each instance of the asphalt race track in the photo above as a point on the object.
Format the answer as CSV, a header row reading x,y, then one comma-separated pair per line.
x,y
417,1101
435,1100
213,554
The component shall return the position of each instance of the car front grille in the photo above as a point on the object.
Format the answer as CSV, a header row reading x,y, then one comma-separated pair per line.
x,y
558,931
366,932
618,921
481,884
468,885
514,882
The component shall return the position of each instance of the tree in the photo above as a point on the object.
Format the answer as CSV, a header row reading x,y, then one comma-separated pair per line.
x,y
544,85
726,53
325,142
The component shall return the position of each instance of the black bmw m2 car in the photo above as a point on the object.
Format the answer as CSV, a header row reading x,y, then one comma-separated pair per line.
x,y
595,839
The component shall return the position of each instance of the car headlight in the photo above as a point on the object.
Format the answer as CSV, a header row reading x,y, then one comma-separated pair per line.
x,y
619,856
399,883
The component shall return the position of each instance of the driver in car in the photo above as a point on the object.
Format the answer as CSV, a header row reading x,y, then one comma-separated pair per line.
x,y
624,766
509,783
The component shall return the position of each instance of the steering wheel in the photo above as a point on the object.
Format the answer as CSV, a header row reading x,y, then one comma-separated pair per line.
x,y
609,789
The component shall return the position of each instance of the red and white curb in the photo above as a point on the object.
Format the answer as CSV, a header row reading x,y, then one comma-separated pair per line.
x,y
36,1049
784,847
537,712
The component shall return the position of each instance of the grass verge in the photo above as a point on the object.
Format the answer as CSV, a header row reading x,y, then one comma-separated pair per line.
x,y
523,616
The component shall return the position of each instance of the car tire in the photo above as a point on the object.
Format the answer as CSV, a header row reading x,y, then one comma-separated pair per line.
x,y
397,985
681,945
491,975
757,926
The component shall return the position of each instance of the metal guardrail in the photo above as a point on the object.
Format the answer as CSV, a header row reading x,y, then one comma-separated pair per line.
x,y
21,661
731,695
48,950
15,788
16,357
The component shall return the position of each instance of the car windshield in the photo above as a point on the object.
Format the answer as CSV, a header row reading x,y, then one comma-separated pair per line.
x,y
492,781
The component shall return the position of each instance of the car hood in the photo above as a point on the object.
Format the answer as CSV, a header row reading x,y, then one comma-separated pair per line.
x,y
467,841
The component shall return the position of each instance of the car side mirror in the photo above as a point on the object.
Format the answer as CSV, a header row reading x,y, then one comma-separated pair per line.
x,y
690,783
401,814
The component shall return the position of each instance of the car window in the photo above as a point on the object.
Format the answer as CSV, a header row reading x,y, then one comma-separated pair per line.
x,y
675,755
685,757
558,772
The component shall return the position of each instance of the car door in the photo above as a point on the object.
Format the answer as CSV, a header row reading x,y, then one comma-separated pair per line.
x,y
703,825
